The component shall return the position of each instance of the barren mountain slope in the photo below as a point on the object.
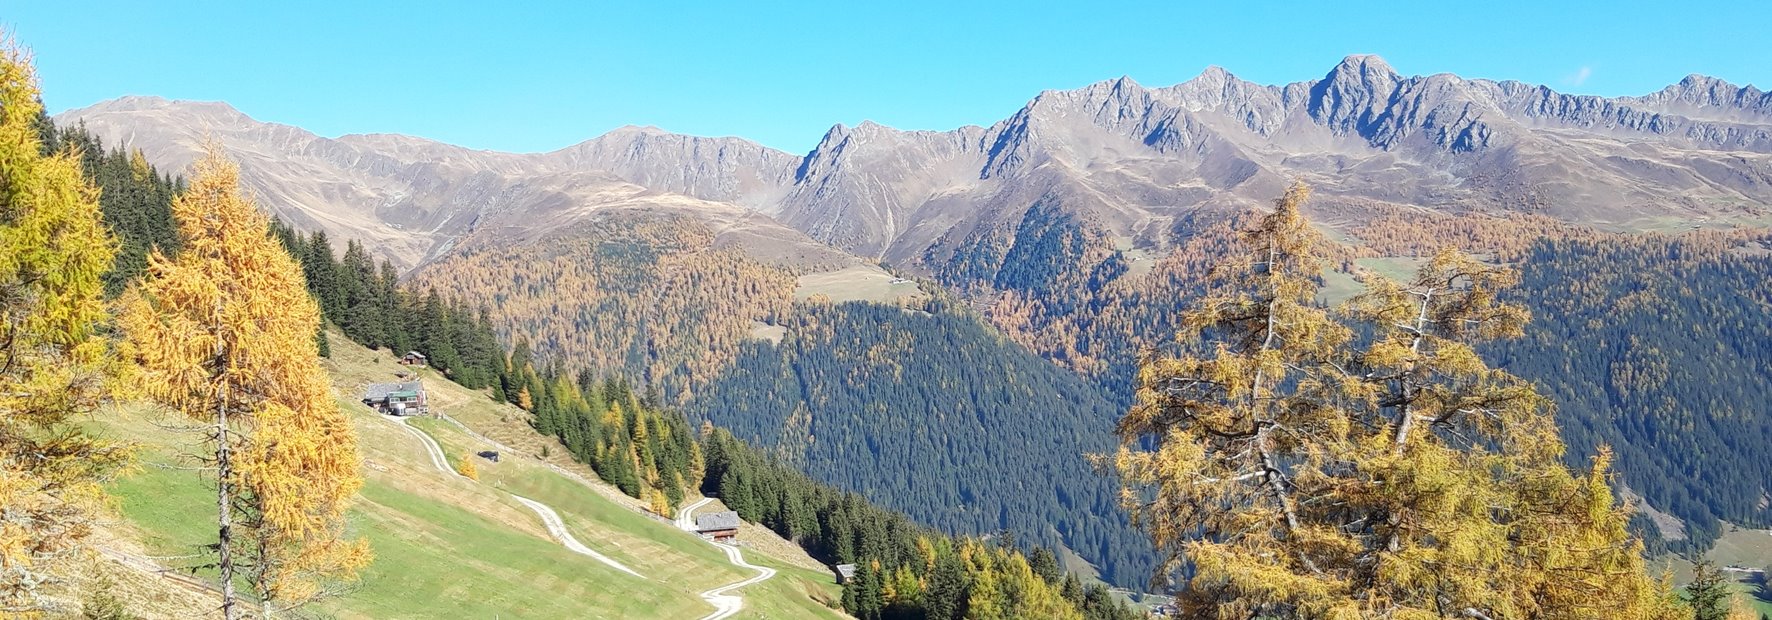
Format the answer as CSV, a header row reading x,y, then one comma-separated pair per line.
x,y
410,199
1128,159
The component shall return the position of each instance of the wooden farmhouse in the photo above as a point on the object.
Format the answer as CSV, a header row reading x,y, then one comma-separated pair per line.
x,y
407,398
414,358
720,526
845,573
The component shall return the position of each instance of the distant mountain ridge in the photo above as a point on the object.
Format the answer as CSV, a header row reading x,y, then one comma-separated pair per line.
x,y
413,199
1128,157
1142,155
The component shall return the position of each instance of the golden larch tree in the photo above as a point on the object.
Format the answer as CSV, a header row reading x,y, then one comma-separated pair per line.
x,y
224,335
1241,429
53,248
1302,475
1466,482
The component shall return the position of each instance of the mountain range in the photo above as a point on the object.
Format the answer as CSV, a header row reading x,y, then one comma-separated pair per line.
x,y
1128,158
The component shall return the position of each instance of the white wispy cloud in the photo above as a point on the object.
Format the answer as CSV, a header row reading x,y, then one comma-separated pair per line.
x,y
1579,76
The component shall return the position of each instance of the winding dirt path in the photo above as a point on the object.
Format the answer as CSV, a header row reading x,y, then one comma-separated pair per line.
x,y
558,529
549,517
432,448
725,605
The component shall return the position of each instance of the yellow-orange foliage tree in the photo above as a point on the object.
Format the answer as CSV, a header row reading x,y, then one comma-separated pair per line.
x,y
1305,476
224,335
53,249
465,466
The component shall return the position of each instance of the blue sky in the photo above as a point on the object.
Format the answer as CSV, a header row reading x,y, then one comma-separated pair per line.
x,y
528,76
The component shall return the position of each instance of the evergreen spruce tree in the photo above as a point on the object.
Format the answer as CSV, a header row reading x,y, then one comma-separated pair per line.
x,y
398,337
1708,593
946,588
364,319
321,270
135,198
852,594
870,598
322,346
1045,564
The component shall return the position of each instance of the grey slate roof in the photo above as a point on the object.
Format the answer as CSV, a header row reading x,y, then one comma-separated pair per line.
x,y
717,521
380,391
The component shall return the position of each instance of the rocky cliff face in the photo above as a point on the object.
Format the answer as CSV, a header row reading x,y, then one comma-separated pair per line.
x,y
1125,158
1130,158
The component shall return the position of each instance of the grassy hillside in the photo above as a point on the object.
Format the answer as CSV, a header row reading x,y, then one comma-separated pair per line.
x,y
450,547
1738,546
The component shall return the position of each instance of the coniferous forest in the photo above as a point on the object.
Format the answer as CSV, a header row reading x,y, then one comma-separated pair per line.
x,y
136,198
646,453
1665,383
1653,344
903,571
845,361
892,403
1660,347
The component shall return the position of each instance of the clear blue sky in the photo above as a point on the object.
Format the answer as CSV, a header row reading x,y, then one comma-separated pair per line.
x,y
512,76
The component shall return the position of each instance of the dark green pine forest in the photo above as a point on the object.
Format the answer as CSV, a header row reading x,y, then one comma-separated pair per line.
x,y
930,412
903,570
1662,348
135,198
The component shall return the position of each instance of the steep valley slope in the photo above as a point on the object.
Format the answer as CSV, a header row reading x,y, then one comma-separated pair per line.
x,y
447,546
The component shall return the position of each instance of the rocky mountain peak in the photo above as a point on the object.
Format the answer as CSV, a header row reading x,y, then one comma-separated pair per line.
x,y
1213,80
1706,91
132,103
211,111
629,131
1257,107
1365,70
1351,98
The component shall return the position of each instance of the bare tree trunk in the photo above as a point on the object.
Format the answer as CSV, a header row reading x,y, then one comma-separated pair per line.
x,y
1406,417
224,514
1406,414
1271,468
261,574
